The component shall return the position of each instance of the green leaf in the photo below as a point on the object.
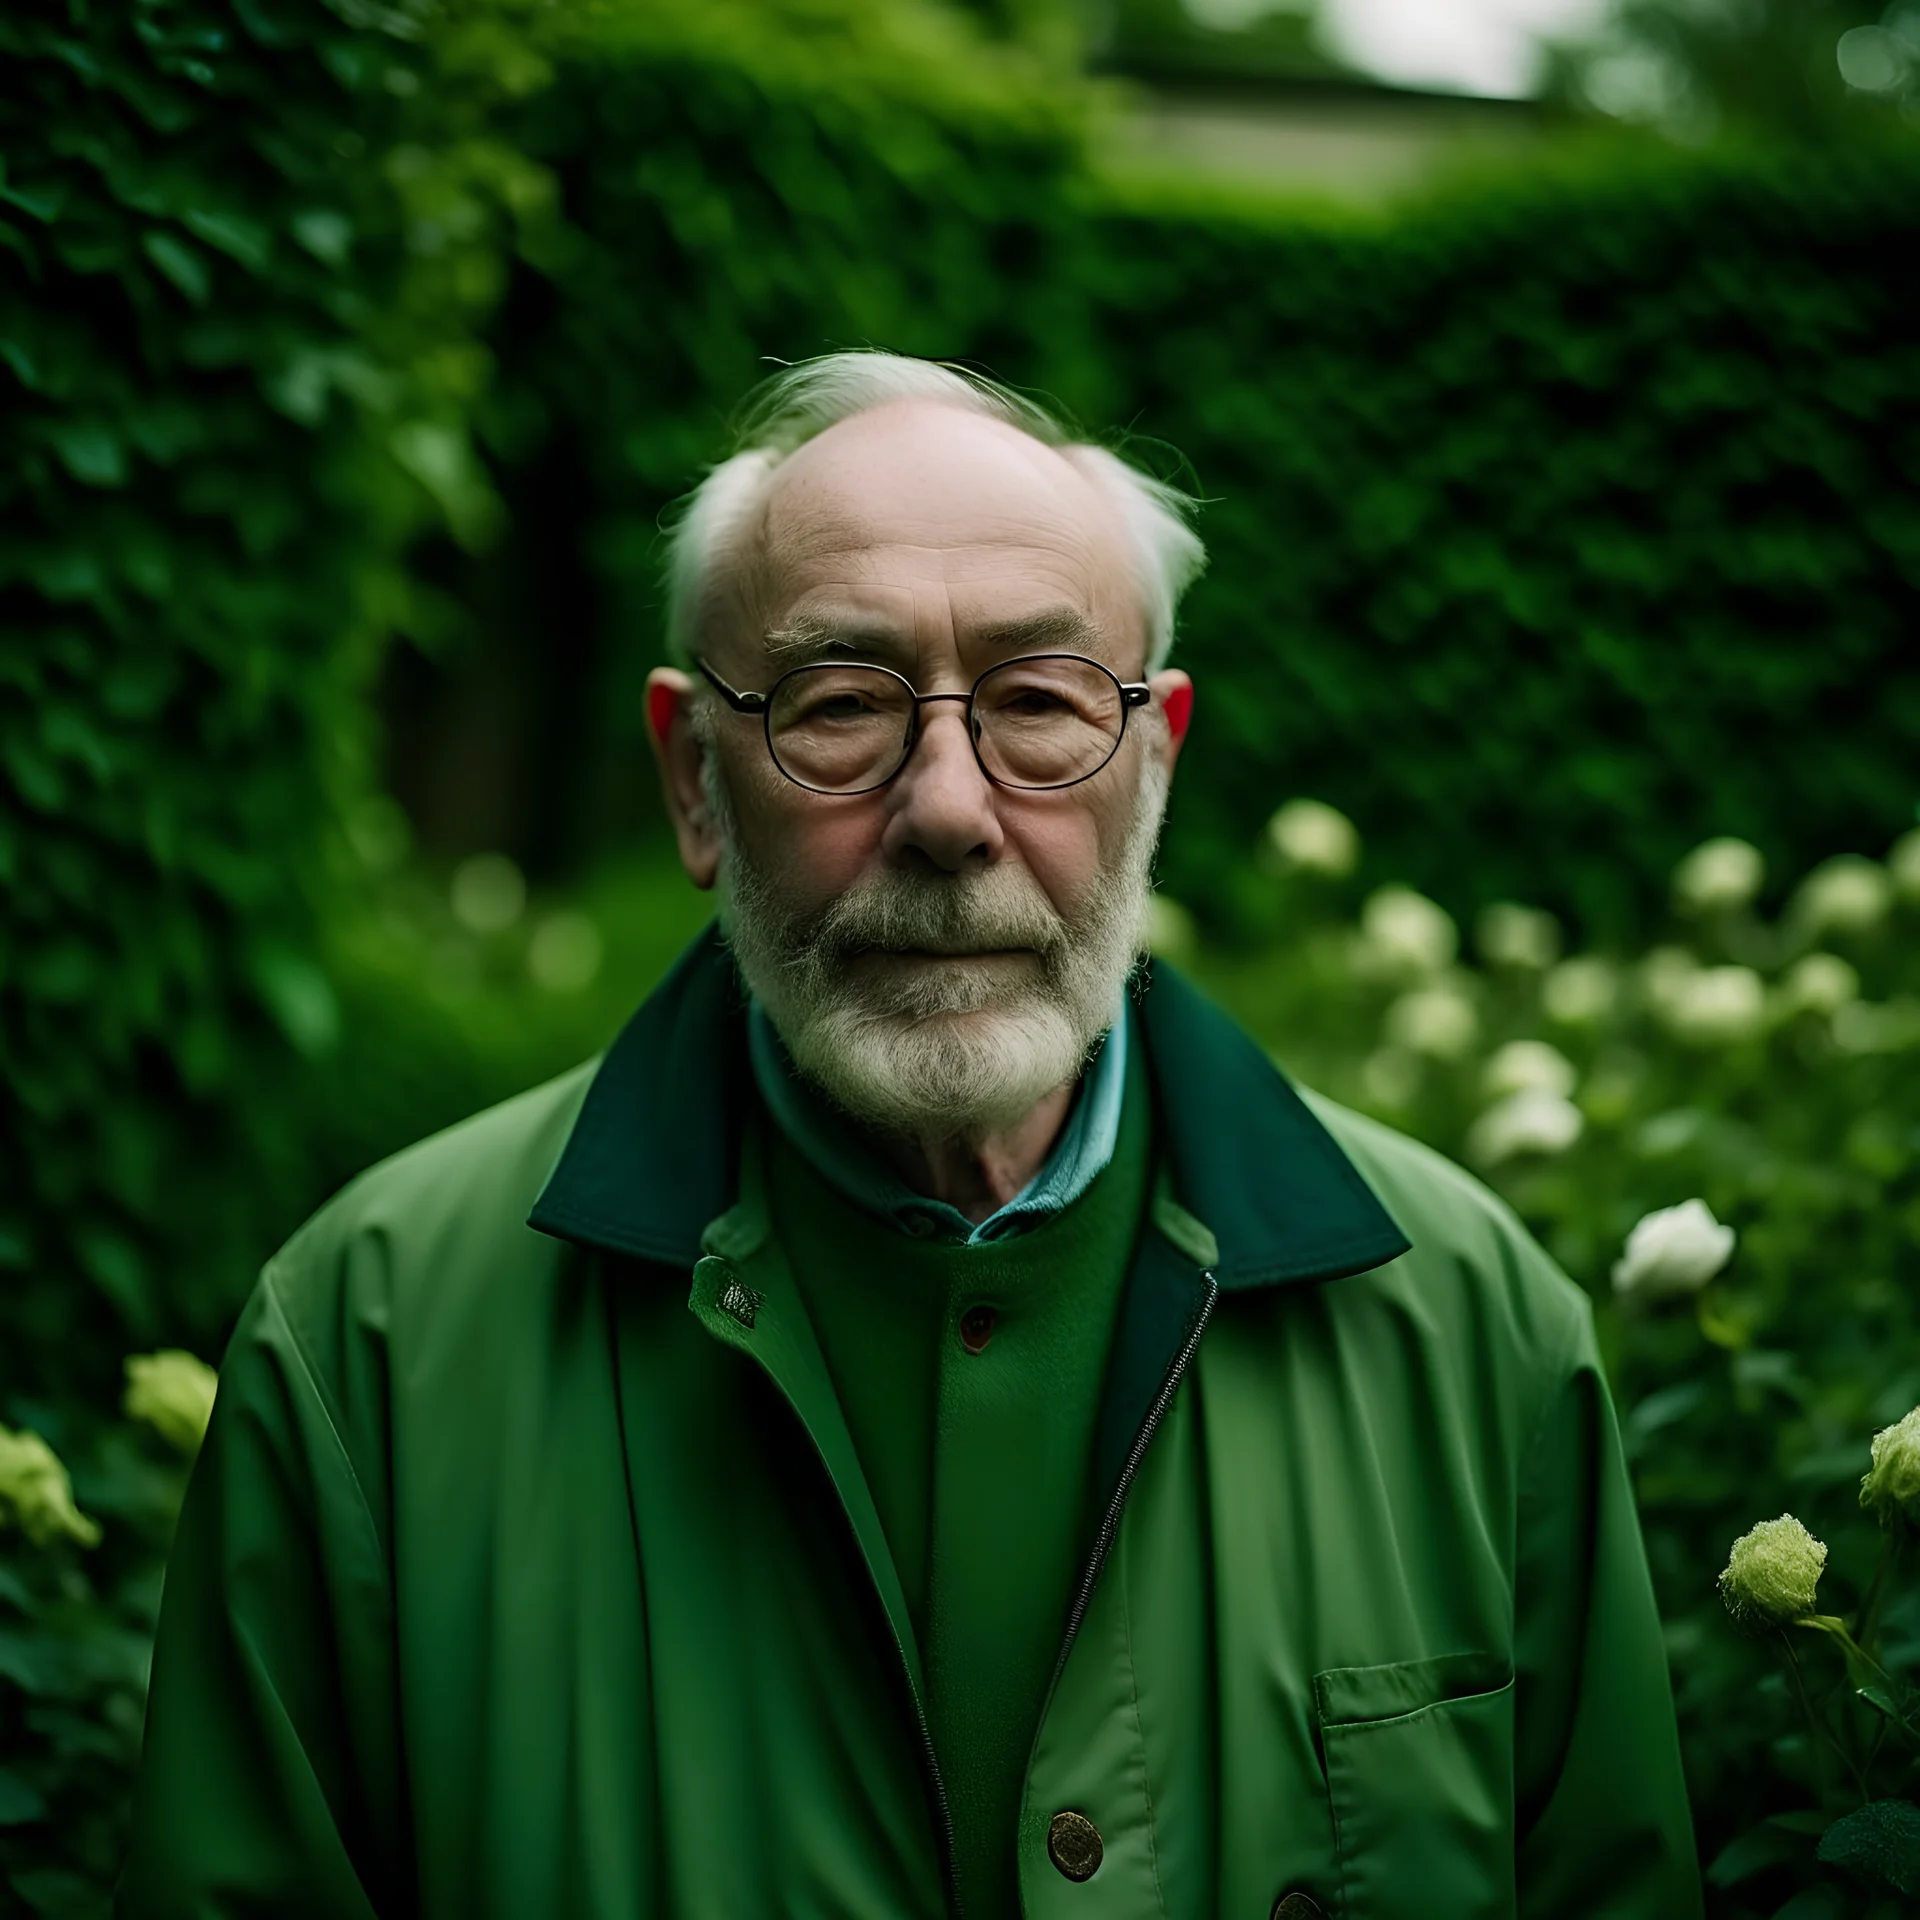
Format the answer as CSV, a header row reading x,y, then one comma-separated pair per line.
x,y
1752,1852
1880,1841
91,453
43,203
243,240
182,264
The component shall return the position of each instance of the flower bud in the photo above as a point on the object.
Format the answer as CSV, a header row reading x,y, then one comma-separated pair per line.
x,y
1674,1250
173,1393
1772,1573
1315,838
36,1495
1891,1486
1719,876
1403,935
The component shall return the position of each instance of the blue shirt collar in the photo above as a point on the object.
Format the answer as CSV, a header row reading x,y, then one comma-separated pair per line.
x,y
836,1152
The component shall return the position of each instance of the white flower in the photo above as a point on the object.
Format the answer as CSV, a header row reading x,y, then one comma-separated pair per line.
x,y
1903,864
1891,1486
1404,934
1818,983
1664,974
36,1495
1439,1020
1718,876
1529,1063
1513,936
172,1391
1314,837
488,893
1866,1026
1716,1006
1580,992
1676,1250
1772,1574
1530,1121
1170,928
1846,894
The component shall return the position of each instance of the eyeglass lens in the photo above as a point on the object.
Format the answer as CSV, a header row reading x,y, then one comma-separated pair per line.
x,y
1045,721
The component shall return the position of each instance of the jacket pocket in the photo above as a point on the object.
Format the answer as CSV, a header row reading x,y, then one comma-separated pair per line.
x,y
1419,1759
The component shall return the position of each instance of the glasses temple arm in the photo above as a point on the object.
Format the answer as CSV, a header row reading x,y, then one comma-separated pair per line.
x,y
739,702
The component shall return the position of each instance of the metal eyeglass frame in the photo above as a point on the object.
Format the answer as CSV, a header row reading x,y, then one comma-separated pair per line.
x,y
1133,693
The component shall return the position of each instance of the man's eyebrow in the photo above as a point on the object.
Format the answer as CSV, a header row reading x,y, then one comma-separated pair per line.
x,y
1065,627
821,637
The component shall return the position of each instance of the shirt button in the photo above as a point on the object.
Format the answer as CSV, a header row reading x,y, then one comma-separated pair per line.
x,y
1296,1906
1073,1845
976,1329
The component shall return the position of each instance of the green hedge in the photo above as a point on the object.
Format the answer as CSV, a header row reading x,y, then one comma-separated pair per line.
x,y
1554,528
1556,523
235,352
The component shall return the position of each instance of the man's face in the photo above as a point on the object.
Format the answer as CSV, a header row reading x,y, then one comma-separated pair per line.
x,y
941,946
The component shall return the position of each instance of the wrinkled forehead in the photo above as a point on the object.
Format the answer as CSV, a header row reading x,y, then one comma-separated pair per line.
x,y
919,497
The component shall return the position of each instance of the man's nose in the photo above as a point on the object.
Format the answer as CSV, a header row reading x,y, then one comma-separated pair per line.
x,y
941,804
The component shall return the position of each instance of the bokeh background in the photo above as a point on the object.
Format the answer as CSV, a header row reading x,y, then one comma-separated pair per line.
x,y
1551,375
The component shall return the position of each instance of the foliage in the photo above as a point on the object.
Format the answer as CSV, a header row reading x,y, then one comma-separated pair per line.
x,y
1761,68
1556,523
1761,1064
238,276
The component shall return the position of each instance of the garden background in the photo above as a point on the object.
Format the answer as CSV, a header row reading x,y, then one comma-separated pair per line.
x,y
1562,519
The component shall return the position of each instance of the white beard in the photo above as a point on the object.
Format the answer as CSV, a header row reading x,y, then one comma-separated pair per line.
x,y
950,1047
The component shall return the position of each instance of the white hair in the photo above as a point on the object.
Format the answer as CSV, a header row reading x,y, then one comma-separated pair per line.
x,y
807,398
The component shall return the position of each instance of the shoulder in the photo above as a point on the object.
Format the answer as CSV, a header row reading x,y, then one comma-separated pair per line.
x,y
444,1216
1471,1259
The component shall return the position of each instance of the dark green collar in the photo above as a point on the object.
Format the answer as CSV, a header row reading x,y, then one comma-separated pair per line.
x,y
653,1156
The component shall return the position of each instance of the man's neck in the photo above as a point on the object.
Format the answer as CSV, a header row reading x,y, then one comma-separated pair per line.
x,y
977,1174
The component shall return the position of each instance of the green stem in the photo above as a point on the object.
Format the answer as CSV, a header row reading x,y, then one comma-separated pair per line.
x,y
1877,1592
1822,1738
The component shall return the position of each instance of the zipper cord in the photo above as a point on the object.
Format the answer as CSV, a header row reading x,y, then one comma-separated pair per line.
x,y
1110,1524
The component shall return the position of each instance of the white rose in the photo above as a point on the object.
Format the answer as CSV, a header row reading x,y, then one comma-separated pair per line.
x,y
1718,876
1676,1250
1438,1020
1580,992
1664,975
1403,933
1844,895
1818,983
1903,864
1513,936
1716,1006
1530,1121
1314,837
1529,1063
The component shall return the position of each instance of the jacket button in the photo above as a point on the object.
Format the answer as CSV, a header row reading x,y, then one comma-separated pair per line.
x,y
1073,1845
976,1328
1297,1906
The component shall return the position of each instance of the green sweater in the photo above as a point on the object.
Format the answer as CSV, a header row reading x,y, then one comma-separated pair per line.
x,y
978,1461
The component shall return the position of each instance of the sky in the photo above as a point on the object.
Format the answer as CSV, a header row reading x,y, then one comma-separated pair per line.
x,y
1469,46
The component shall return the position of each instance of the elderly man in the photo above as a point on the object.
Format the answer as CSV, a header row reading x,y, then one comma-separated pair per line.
x,y
918,1428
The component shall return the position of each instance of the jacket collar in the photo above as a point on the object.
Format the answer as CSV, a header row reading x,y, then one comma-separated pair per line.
x,y
653,1156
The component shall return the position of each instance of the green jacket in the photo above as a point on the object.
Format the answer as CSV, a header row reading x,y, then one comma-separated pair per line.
x,y
527,1568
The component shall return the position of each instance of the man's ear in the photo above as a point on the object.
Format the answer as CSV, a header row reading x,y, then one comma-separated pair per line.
x,y
1173,697
679,753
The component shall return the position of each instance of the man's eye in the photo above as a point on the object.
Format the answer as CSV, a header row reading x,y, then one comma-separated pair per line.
x,y
1031,702
838,706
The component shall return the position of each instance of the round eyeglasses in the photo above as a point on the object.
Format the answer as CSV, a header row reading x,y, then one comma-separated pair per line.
x,y
1042,721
